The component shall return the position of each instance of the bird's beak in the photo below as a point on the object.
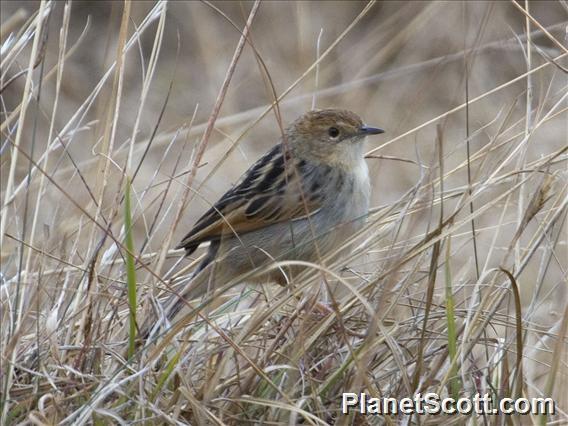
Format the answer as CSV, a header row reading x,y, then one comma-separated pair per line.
x,y
366,130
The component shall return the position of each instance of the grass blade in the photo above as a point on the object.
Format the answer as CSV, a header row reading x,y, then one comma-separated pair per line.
x,y
130,271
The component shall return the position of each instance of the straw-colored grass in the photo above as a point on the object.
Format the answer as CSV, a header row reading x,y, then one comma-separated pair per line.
x,y
122,122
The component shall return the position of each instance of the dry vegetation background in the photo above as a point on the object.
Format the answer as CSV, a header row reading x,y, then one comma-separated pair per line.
x,y
420,302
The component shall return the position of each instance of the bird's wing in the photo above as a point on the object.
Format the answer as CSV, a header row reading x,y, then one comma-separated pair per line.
x,y
271,191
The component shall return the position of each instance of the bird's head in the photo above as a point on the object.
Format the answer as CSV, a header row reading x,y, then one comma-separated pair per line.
x,y
331,135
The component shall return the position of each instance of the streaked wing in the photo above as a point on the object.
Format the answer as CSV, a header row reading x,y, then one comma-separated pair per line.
x,y
269,192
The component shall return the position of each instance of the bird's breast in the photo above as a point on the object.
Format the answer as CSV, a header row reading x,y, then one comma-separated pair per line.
x,y
347,199
345,205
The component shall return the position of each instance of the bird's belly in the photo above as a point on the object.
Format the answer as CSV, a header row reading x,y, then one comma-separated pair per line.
x,y
305,239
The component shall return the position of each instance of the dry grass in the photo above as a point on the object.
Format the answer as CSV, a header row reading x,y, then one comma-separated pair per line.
x,y
144,113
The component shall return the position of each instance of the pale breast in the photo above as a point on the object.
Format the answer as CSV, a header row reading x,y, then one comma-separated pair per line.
x,y
342,214
361,192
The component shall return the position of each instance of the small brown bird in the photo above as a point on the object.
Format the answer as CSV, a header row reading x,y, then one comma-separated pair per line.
x,y
305,197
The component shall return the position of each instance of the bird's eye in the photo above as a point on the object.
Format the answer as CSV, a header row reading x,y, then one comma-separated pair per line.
x,y
333,132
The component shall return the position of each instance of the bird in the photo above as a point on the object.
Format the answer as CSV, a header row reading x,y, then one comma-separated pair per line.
x,y
301,200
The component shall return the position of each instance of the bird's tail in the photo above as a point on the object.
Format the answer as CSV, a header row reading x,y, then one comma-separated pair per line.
x,y
200,283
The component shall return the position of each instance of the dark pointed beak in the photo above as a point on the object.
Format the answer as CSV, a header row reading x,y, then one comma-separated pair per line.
x,y
366,130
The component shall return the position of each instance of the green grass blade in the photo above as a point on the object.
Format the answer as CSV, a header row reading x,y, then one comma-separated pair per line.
x,y
130,271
